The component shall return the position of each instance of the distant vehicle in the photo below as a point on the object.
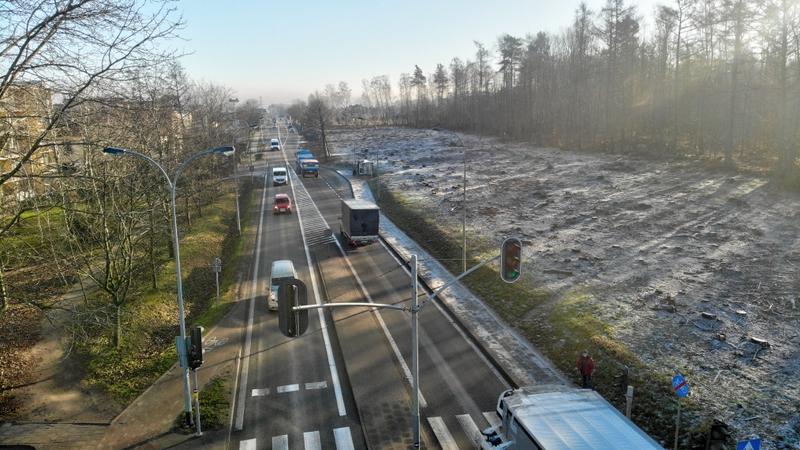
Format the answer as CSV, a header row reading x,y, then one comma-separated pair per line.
x,y
291,130
278,176
309,167
274,126
550,417
281,270
275,144
282,204
360,221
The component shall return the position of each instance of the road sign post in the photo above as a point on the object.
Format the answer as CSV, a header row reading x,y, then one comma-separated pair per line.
x,y
681,387
216,266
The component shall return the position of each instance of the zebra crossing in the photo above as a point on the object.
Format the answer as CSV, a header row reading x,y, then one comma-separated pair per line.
x,y
468,427
312,440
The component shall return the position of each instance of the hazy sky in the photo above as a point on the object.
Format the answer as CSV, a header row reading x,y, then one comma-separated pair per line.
x,y
279,51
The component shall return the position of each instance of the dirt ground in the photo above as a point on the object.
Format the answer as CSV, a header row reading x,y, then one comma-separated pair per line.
x,y
695,270
56,392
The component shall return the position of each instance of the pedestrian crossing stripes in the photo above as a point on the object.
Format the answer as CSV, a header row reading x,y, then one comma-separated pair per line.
x,y
468,427
290,388
313,440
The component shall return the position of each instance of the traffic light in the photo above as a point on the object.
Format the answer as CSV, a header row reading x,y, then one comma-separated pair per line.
x,y
292,292
196,348
621,381
511,260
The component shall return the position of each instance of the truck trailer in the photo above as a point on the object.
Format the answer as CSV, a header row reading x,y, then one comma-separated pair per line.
x,y
558,417
360,221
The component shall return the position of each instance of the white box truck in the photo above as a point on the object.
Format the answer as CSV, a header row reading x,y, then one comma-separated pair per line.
x,y
557,417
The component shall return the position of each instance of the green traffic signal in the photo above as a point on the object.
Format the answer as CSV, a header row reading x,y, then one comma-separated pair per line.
x,y
511,260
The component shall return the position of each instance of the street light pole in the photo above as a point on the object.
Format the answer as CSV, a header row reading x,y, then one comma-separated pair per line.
x,y
236,177
181,316
464,208
377,161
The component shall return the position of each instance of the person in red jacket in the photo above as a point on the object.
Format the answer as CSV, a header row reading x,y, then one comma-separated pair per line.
x,y
586,368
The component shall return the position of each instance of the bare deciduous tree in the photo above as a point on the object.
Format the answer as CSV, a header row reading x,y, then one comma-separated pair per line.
x,y
74,51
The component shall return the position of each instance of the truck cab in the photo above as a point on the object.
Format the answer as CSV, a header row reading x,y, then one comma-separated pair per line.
x,y
310,167
302,155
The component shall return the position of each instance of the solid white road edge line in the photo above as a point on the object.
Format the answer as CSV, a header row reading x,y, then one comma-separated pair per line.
x,y
395,348
249,339
337,386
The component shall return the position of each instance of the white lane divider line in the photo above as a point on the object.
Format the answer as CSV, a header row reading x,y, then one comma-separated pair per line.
x,y
260,392
251,312
337,386
249,444
316,385
422,402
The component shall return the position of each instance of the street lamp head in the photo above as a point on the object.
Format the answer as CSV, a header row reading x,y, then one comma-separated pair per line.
x,y
113,151
227,151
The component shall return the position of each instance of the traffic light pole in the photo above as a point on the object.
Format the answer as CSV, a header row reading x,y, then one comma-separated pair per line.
x,y
196,403
415,308
401,308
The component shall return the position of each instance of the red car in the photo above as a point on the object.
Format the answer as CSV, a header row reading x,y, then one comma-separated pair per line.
x,y
282,204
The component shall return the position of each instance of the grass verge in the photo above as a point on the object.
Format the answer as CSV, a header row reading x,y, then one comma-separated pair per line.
x,y
151,319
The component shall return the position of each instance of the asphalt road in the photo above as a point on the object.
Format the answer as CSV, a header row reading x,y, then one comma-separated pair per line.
x,y
290,393
346,382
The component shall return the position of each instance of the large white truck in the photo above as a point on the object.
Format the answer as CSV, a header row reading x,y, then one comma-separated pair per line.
x,y
557,417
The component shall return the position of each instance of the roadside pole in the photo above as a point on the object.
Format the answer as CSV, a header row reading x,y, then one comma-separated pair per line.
x,y
415,347
681,387
196,403
284,310
216,266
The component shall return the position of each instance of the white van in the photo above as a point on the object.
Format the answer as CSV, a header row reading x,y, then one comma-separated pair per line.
x,y
281,270
278,176
275,144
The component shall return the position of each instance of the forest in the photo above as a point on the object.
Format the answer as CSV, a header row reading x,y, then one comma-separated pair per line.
x,y
705,79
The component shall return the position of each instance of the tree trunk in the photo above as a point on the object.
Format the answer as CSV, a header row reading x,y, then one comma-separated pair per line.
x,y
117,326
3,291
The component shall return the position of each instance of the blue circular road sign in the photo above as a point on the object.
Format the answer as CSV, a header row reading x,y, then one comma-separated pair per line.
x,y
680,386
